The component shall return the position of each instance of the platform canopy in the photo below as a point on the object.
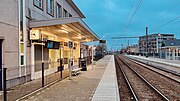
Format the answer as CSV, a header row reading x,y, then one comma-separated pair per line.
x,y
73,28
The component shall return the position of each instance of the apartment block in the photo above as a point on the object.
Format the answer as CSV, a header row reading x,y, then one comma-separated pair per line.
x,y
154,42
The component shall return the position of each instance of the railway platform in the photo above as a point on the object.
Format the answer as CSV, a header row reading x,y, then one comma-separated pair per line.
x,y
97,84
170,65
107,89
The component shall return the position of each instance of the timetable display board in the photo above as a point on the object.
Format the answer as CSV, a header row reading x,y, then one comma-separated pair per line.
x,y
52,44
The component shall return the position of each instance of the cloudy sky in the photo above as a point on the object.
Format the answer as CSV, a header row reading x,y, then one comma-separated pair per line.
x,y
113,18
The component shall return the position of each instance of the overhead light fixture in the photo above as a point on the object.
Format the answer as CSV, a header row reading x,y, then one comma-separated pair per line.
x,y
64,28
64,31
79,36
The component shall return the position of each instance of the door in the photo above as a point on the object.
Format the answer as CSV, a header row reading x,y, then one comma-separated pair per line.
x,y
0,64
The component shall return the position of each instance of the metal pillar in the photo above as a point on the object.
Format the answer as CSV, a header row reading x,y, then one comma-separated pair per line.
x,y
169,54
173,54
146,42
157,45
165,53
160,47
4,84
42,74
92,55
69,65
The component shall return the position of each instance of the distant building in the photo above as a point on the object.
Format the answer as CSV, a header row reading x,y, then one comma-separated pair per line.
x,y
154,42
133,49
171,49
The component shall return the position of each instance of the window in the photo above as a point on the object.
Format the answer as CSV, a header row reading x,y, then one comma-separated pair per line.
x,y
70,15
38,3
22,48
65,13
65,44
22,59
58,11
50,7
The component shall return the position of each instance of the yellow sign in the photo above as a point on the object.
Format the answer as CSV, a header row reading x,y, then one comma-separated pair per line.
x,y
35,35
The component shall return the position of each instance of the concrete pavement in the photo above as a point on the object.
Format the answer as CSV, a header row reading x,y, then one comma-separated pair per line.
x,y
83,86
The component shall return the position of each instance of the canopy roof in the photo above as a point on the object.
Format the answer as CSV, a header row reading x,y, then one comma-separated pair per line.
x,y
73,28
171,43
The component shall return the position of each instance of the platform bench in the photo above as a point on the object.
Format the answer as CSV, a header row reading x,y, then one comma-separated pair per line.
x,y
75,70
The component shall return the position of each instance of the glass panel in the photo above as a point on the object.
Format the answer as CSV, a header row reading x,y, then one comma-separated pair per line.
x,y
38,3
22,48
21,35
52,58
50,4
22,59
58,11
64,13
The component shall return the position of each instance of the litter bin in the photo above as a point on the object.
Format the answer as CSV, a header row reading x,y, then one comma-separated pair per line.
x,y
83,66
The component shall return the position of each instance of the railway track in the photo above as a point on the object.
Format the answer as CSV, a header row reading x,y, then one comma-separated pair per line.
x,y
139,86
171,75
163,81
157,67
125,88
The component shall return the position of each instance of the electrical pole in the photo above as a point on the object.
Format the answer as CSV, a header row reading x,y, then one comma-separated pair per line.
x,y
128,47
146,42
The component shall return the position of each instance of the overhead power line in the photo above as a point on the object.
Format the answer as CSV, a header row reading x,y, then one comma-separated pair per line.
x,y
163,16
131,9
138,5
129,14
124,37
166,23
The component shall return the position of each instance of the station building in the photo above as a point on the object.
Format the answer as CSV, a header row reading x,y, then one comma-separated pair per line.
x,y
33,32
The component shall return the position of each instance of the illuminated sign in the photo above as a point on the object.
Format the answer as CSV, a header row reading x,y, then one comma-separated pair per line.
x,y
52,44
35,35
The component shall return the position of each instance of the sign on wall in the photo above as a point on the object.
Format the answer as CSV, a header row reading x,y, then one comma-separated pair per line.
x,y
35,35
102,41
70,44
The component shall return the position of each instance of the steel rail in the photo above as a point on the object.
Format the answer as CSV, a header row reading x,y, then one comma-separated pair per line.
x,y
166,70
145,66
127,81
163,96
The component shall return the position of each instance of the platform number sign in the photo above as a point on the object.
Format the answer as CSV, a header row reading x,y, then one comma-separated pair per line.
x,y
70,44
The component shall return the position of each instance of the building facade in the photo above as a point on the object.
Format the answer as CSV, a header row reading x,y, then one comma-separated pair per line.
x,y
154,42
9,37
40,31
171,49
133,49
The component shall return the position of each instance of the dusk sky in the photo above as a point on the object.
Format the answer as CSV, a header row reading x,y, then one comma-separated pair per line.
x,y
109,18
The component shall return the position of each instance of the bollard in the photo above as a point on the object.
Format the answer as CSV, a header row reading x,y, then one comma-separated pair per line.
x,y
4,84
42,74
61,67
61,74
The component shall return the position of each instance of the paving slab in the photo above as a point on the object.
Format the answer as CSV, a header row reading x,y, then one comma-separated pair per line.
x,y
107,89
80,88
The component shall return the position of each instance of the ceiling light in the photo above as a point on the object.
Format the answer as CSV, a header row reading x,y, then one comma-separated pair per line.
x,y
64,31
